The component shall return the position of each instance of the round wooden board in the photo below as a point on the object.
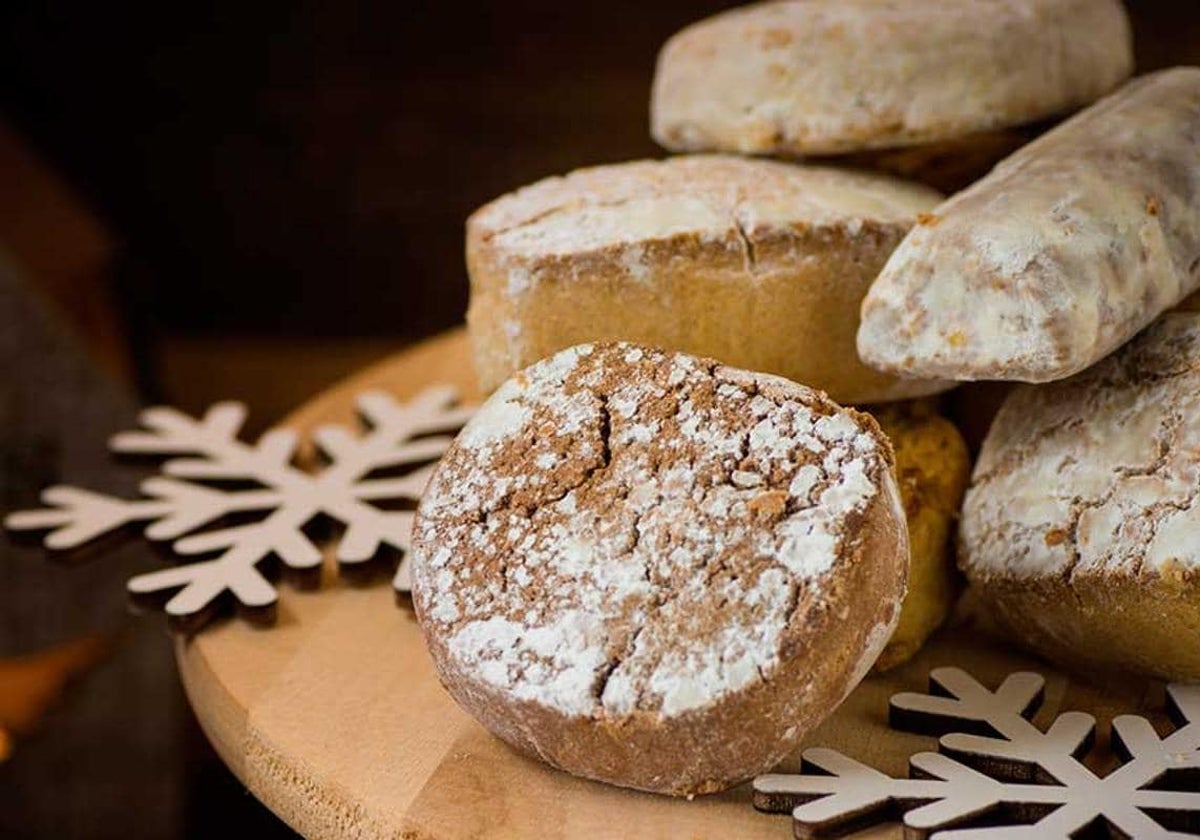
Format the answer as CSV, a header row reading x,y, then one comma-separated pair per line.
x,y
335,719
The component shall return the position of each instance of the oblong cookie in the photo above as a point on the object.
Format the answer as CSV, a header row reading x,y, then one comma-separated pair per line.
x,y
1060,255
760,264
649,569
829,76
1081,525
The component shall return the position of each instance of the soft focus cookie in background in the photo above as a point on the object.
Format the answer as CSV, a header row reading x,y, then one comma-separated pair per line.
x,y
760,264
653,570
946,165
1079,531
818,77
932,467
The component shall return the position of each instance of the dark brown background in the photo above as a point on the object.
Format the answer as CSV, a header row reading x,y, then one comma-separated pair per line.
x,y
249,199
305,168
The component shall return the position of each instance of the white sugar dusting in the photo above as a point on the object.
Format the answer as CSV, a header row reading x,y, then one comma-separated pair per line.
x,y
625,206
652,581
744,478
1098,474
519,280
557,661
500,417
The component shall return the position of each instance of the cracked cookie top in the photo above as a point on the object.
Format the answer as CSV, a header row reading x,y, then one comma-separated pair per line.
x,y
624,530
716,198
1096,474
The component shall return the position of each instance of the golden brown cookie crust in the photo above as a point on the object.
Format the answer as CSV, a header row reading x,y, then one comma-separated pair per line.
x,y
932,469
760,264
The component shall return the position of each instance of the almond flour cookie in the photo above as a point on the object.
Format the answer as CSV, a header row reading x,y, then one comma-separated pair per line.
x,y
1063,253
815,77
932,468
759,264
649,569
1082,525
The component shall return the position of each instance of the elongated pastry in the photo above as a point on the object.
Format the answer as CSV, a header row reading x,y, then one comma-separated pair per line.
x,y
1081,529
650,569
1069,248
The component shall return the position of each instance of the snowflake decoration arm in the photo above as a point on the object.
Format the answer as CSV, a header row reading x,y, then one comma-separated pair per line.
x,y
995,765
178,504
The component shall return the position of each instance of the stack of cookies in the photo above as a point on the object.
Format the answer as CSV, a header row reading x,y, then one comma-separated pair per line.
x,y
663,550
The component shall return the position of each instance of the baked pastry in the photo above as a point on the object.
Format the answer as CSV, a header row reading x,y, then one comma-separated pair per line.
x,y
759,264
1080,526
932,468
1063,253
830,76
649,569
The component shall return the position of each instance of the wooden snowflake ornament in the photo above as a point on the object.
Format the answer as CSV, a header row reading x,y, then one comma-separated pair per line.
x,y
998,776
286,498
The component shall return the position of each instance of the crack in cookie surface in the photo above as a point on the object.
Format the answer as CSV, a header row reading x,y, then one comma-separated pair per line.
x,y
1097,474
655,527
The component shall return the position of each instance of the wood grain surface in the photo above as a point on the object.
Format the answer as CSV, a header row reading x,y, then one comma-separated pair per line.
x,y
335,718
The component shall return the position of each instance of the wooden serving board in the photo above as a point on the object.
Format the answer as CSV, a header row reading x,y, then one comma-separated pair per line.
x,y
335,719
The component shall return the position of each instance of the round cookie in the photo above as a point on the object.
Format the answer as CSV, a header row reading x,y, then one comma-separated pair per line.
x,y
649,569
760,264
817,77
1080,526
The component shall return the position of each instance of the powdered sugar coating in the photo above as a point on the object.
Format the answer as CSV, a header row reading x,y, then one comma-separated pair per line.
x,y
647,537
1099,474
715,197
1062,254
